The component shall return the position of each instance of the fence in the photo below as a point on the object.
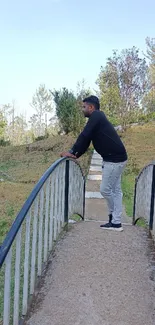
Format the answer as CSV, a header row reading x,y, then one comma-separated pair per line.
x,y
144,198
58,195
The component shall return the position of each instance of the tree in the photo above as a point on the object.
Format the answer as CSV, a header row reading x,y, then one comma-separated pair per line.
x,y
149,101
109,92
20,128
2,125
81,93
18,136
35,126
42,103
69,108
66,109
8,111
12,124
150,43
122,84
149,98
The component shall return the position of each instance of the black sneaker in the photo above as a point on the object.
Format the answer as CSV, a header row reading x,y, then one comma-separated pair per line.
x,y
110,218
112,226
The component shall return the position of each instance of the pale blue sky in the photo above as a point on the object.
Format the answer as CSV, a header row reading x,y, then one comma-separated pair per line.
x,y
60,42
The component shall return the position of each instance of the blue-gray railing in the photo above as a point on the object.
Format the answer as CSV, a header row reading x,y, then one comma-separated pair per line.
x,y
58,195
144,196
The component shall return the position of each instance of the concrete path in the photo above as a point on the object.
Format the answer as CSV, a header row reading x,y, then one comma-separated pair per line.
x,y
98,277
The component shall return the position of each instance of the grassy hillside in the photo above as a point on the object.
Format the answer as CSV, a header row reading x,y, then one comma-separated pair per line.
x,y
140,144
21,167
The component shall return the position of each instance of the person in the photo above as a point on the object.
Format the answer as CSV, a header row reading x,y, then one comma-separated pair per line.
x,y
108,144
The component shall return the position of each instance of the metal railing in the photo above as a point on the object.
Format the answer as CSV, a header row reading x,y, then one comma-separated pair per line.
x,y
144,197
59,194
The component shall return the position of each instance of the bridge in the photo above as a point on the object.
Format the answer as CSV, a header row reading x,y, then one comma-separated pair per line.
x,y
56,271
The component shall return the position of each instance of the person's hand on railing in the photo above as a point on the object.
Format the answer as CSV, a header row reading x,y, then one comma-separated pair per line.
x,y
67,154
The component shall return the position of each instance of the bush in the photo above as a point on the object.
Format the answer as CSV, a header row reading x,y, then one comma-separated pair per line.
x,y
146,117
68,111
4,143
42,137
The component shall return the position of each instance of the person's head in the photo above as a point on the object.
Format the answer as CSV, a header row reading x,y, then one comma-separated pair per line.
x,y
90,104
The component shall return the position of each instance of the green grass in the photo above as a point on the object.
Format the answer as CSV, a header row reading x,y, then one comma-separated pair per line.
x,y
22,166
139,142
142,223
76,217
128,183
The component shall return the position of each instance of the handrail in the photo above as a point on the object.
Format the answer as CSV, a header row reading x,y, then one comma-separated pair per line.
x,y
59,194
150,164
4,249
144,196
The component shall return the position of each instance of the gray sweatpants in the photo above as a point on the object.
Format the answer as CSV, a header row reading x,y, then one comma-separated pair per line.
x,y
111,188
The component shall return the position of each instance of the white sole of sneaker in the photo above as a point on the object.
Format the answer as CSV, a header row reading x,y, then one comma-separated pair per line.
x,y
114,229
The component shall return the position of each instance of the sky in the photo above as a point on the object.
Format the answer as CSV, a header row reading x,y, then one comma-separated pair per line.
x,y
60,42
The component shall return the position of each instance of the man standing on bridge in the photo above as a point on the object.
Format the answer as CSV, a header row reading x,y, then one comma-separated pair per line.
x,y
109,145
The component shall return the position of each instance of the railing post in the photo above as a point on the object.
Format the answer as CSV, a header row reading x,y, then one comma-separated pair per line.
x,y
152,199
134,203
84,189
7,288
66,191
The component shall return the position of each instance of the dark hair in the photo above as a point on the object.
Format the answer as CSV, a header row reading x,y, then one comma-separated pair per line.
x,y
92,100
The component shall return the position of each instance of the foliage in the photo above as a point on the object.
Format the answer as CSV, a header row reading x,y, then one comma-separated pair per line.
x,y
150,43
146,117
110,99
122,84
149,101
81,93
149,98
66,109
42,137
4,143
42,104
2,125
69,108
20,127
